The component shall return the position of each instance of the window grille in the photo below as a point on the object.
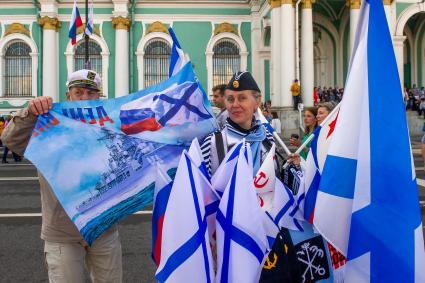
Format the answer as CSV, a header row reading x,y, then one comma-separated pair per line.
x,y
95,56
156,62
226,61
18,70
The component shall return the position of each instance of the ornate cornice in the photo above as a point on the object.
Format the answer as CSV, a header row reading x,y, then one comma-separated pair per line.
x,y
121,23
17,28
49,23
307,4
225,27
353,4
83,27
157,27
274,3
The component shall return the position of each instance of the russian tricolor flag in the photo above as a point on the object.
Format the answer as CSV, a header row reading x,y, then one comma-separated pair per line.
x,y
135,121
75,23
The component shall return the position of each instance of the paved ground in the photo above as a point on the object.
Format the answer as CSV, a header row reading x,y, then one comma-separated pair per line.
x,y
21,251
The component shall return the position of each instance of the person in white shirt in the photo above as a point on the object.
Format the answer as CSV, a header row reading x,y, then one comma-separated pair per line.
x,y
276,124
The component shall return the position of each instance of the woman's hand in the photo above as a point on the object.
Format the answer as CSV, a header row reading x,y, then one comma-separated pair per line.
x,y
294,158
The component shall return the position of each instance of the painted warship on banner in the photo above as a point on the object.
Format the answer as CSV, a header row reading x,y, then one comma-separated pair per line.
x,y
126,155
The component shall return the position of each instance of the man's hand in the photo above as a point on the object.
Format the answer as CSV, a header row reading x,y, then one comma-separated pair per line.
x,y
40,105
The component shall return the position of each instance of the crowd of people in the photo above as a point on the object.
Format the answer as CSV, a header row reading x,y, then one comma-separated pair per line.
x,y
313,117
327,94
414,99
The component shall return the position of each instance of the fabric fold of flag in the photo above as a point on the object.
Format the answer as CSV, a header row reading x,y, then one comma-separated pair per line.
x,y
241,238
185,244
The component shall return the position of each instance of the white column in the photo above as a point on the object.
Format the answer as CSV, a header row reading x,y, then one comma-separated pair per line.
x,y
50,57
354,19
34,66
287,51
398,42
255,40
307,56
276,52
390,13
1,73
121,26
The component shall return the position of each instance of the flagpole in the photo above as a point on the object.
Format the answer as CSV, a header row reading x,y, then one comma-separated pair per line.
x,y
86,38
275,135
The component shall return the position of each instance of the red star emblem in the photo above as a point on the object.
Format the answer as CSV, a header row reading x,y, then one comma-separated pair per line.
x,y
332,126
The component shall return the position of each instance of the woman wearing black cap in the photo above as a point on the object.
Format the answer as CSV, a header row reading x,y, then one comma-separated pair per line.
x,y
242,98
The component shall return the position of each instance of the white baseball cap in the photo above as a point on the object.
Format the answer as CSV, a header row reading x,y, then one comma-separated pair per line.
x,y
84,78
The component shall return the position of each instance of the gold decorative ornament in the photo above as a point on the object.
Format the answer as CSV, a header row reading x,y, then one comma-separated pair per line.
x,y
274,3
17,28
387,2
270,264
291,2
49,23
235,84
121,23
225,27
307,4
353,4
83,27
157,27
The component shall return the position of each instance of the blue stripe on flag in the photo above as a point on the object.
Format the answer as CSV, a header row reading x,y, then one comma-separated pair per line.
x,y
313,145
240,237
211,208
188,248
183,253
311,195
198,216
331,181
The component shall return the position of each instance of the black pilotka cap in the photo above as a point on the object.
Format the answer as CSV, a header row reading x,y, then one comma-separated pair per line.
x,y
242,81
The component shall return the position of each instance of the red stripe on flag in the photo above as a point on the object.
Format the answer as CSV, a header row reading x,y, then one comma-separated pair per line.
x,y
149,124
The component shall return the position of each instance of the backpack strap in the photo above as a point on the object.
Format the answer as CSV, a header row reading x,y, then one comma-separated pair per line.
x,y
219,144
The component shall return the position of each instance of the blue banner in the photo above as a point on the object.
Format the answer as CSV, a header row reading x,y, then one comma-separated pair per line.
x,y
101,156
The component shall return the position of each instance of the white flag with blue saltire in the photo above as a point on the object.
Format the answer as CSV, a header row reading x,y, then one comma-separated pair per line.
x,y
367,204
178,58
185,246
89,24
211,198
241,238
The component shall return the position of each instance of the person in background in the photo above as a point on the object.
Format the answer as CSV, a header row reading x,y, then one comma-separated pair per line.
x,y
218,101
2,125
315,96
15,156
276,124
310,124
323,110
296,93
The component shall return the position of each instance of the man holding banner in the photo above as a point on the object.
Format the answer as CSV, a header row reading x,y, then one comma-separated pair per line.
x,y
66,252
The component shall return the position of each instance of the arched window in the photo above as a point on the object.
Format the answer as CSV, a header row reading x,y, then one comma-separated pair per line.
x,y
156,61
18,70
95,55
226,61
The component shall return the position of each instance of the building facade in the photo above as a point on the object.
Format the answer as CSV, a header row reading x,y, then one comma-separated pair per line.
x,y
131,47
